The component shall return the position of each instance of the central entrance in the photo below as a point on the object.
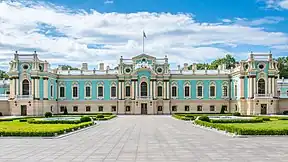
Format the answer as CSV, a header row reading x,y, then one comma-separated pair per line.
x,y
143,108
263,108
23,110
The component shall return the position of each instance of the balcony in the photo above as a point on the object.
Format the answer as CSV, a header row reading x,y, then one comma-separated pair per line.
x,y
144,98
24,97
4,96
263,96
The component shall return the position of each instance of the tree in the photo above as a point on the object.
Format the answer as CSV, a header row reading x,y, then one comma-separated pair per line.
x,y
65,67
3,74
283,66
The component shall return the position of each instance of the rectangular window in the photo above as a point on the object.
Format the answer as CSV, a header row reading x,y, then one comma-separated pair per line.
x,y
62,92
225,107
225,91
113,108
235,90
212,108
160,108
100,91
127,108
212,91
174,91
88,108
187,90
100,108
113,91
174,108
88,91
187,108
62,108
159,91
127,91
279,93
51,91
75,108
199,108
75,91
199,91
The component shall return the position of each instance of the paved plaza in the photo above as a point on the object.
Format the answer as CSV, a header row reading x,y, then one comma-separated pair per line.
x,y
145,139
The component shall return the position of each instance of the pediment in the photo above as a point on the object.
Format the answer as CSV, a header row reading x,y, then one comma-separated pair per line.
x,y
143,55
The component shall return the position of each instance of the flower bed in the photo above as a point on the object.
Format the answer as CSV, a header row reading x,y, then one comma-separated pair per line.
x,y
16,128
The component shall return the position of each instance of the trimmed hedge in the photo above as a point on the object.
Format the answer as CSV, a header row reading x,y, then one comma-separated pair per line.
x,y
85,119
33,121
204,118
105,117
184,117
243,131
236,114
44,133
48,114
255,120
12,119
81,114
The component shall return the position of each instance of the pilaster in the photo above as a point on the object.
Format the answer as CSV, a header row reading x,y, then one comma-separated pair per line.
x,y
45,95
168,90
17,86
136,89
151,90
12,89
132,90
242,87
123,90
164,90
155,89
254,86
119,90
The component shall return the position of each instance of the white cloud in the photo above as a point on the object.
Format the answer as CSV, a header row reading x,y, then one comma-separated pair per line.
x,y
276,4
108,2
62,35
284,4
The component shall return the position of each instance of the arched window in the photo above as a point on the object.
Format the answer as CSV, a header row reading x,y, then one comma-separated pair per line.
x,y
25,87
159,91
144,89
261,86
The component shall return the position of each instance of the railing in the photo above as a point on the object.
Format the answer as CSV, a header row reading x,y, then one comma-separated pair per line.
x,y
4,96
263,95
24,97
144,97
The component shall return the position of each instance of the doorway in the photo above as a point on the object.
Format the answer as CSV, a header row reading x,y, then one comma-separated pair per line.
x,y
23,110
263,108
143,108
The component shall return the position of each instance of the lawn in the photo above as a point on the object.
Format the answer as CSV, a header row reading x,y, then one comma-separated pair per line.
x,y
273,124
16,128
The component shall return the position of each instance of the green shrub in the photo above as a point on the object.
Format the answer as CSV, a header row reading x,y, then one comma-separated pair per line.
x,y
85,119
285,112
236,114
264,118
222,110
33,121
100,116
257,120
282,118
23,120
1,114
48,114
204,118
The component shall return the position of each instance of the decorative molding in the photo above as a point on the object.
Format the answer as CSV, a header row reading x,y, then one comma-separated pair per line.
x,y
187,84
212,84
75,84
199,84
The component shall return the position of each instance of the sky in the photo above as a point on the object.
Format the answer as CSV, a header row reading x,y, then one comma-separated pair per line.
x,y
93,31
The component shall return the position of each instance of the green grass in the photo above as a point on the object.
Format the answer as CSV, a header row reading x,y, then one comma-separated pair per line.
x,y
273,124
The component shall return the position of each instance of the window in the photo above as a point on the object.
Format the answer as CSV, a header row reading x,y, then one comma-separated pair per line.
x,y
113,91
62,108
261,86
225,91
100,108
88,108
235,91
279,93
51,108
174,108
212,108
236,108
212,91
187,91
127,108
25,87
144,89
174,91
75,91
88,91
287,93
127,91
199,91
51,91
187,108
62,91
199,108
225,107
159,91
160,108
100,91
113,108
75,108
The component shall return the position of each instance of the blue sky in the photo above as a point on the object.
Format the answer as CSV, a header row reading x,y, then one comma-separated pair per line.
x,y
94,31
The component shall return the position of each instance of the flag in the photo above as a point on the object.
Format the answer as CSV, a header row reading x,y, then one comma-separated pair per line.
x,y
144,35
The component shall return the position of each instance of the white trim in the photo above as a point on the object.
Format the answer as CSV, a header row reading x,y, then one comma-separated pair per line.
x,y
75,84
144,79
61,84
187,84
174,84
21,86
159,84
127,83
214,108
88,84
51,89
113,84
100,84
265,85
227,85
212,84
199,84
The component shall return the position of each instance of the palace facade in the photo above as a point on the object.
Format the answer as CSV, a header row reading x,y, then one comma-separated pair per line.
x,y
142,85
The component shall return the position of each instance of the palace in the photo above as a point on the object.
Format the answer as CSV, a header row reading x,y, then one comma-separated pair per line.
x,y
143,85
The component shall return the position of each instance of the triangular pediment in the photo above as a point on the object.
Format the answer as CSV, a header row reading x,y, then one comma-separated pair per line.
x,y
142,56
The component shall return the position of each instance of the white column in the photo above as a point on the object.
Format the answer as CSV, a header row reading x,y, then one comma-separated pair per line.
x,y
132,89
155,89
150,87
32,86
254,86
123,90
37,88
269,85
168,90
136,90
164,89
241,87
273,86
17,86
119,90
12,89
45,95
